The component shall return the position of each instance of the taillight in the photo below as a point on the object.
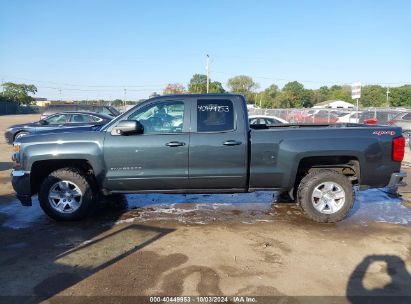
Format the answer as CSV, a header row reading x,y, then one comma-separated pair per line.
x,y
371,121
398,148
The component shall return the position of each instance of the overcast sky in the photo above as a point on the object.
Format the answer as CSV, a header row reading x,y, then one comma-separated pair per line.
x,y
94,49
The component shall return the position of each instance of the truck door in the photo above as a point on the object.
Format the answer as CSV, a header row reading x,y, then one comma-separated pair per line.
x,y
156,159
218,144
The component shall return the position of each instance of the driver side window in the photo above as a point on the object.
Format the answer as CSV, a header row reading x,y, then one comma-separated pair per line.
x,y
161,117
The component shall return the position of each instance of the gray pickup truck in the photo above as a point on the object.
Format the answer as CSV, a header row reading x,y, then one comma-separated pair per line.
x,y
204,144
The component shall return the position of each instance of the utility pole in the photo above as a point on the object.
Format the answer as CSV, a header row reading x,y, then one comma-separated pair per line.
x,y
208,73
388,97
125,96
60,94
2,85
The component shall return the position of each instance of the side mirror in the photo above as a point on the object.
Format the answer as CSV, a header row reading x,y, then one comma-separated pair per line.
x,y
43,122
128,127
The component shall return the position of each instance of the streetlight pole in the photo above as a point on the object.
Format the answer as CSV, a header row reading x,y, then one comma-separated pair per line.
x,y
388,97
125,95
208,73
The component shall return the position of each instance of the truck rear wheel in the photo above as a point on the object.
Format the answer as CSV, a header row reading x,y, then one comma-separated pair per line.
x,y
66,195
325,196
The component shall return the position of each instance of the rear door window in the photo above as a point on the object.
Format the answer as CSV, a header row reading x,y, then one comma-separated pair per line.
x,y
215,115
80,118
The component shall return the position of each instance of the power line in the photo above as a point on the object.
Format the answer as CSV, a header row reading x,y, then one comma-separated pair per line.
x,y
310,81
83,85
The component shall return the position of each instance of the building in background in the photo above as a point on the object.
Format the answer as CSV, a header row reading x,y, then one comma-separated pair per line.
x,y
334,104
41,101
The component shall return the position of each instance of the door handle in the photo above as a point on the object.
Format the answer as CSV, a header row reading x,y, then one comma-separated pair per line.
x,y
232,143
175,144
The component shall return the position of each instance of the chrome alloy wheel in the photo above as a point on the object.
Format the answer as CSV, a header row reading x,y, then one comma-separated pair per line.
x,y
328,197
65,197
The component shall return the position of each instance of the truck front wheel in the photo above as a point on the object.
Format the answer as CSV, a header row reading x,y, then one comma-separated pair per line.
x,y
325,196
66,195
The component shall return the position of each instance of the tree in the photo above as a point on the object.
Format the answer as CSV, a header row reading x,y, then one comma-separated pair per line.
x,y
198,85
117,103
174,88
297,95
340,93
400,96
19,92
243,85
373,96
321,94
266,98
282,100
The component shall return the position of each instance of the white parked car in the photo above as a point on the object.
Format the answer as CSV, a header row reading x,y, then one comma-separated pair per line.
x,y
351,117
266,120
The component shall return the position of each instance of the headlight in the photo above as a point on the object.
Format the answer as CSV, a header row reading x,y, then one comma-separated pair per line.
x,y
16,147
16,157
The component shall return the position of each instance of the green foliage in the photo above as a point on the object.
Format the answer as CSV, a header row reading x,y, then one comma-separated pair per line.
x,y
373,96
320,95
243,85
340,93
198,85
18,92
297,95
400,96
117,103
266,98
174,88
282,100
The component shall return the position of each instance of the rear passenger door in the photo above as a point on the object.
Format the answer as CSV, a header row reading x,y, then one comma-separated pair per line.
x,y
218,145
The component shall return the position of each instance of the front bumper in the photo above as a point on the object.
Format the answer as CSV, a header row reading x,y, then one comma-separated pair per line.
x,y
397,180
21,184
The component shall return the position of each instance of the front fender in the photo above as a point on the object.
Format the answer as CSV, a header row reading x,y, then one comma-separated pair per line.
x,y
64,146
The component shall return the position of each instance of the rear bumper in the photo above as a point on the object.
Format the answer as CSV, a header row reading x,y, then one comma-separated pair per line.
x,y
21,184
397,180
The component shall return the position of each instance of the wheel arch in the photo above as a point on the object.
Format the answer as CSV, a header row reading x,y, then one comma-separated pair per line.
x,y
42,168
346,165
19,132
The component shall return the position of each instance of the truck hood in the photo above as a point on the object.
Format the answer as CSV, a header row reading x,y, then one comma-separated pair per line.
x,y
69,130
63,135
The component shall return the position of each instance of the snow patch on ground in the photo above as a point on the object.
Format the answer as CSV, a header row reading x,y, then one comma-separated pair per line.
x,y
20,217
377,206
373,205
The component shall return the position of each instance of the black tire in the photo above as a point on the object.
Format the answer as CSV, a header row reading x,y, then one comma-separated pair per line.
x,y
78,178
20,134
315,179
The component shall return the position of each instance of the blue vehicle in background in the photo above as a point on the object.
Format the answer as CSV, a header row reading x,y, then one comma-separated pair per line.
x,y
57,121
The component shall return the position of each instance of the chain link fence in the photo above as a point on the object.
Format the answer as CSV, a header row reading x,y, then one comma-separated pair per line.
x,y
9,108
331,116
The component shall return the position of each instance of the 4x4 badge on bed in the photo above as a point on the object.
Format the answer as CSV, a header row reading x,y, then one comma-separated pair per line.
x,y
379,133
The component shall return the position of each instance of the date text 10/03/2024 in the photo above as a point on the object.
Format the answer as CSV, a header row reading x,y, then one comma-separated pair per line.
x,y
199,299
